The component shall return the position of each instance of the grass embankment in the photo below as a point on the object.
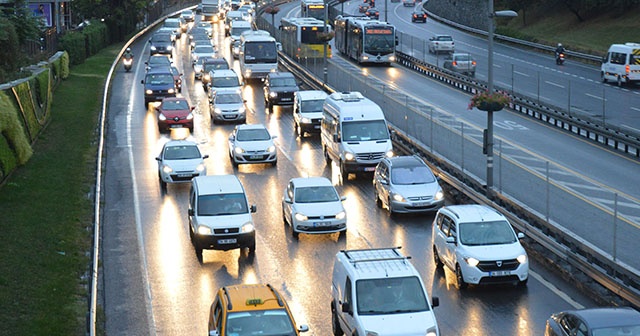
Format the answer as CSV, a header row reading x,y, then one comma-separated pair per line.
x,y
46,214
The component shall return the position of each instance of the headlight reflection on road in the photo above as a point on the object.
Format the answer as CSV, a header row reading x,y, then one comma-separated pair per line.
x,y
169,251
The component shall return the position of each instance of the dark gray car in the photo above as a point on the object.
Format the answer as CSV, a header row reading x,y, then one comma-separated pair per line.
x,y
160,43
279,88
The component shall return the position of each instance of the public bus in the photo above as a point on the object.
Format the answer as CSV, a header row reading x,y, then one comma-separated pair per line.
x,y
312,8
258,54
365,40
300,37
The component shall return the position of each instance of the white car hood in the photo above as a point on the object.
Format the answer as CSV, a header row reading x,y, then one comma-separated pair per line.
x,y
416,190
373,146
226,221
410,324
311,115
183,165
249,146
318,209
494,252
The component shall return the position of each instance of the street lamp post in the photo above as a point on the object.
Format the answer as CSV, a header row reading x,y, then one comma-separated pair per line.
x,y
489,140
324,56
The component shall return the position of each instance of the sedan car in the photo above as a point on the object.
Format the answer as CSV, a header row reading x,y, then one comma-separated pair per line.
x,y
594,322
441,43
252,144
372,13
405,184
188,15
158,61
419,15
228,106
180,161
312,205
202,50
175,112
462,63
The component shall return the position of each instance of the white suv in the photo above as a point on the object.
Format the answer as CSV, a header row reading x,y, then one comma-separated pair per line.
x,y
479,245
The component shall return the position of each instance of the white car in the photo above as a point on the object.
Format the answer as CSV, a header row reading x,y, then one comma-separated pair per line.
x,y
202,50
180,161
252,144
479,245
441,43
312,205
176,26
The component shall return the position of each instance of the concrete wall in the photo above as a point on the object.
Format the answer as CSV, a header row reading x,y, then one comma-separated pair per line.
x,y
471,13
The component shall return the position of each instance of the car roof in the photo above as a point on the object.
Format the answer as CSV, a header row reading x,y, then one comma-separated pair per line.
x,y
215,60
160,70
251,126
217,184
313,181
225,73
181,142
406,161
472,213
281,74
608,317
311,94
175,99
241,297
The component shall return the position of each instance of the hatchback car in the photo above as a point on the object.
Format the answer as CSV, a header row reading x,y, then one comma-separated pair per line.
x,y
479,245
228,106
197,67
161,43
177,77
252,144
207,26
175,112
312,205
158,61
462,63
419,15
180,161
441,43
594,322
188,15
176,26
199,39
224,80
202,50
279,88
405,184
210,66
372,13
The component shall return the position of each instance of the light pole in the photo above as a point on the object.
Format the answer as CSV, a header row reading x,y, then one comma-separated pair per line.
x,y
489,140
324,56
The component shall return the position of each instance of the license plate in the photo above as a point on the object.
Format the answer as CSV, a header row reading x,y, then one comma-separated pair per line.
x,y
499,273
227,241
420,204
176,126
316,224
255,157
316,126
286,99
184,175
369,169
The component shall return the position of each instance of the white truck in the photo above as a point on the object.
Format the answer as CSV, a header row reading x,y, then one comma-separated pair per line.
x,y
210,10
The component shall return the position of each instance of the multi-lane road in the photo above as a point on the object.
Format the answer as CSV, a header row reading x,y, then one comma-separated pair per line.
x,y
153,283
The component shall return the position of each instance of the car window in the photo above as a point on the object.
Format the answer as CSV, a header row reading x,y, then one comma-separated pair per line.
x,y
390,296
364,130
228,99
222,204
445,225
311,105
157,79
226,81
452,229
181,153
253,135
275,82
444,38
412,175
203,49
173,105
486,233
260,322
316,194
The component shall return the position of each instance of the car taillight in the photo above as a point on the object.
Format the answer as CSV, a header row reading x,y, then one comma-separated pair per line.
x,y
455,63
627,69
473,62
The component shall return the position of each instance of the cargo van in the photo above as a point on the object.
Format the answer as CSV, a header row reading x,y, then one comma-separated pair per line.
x,y
220,215
621,64
354,133
379,292
307,111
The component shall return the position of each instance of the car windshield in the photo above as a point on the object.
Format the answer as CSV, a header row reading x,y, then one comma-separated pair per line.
x,y
444,38
228,99
253,135
239,30
364,130
175,71
159,60
390,296
274,322
486,233
222,204
225,81
205,25
275,82
161,38
312,105
172,24
203,49
631,330
316,194
215,66
172,105
185,152
412,175
156,79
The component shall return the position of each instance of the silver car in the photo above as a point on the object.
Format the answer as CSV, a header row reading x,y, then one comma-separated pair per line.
x,y
462,63
405,184
252,144
228,106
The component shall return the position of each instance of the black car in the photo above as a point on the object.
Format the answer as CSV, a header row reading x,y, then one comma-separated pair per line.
x,y
372,13
279,88
160,43
594,321
419,15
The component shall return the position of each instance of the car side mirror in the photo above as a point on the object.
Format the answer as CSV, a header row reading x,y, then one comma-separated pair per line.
x,y
274,136
303,328
213,333
232,138
343,198
158,159
384,181
451,240
253,208
288,200
346,307
520,235
191,212
206,156
193,108
336,138
142,81
435,301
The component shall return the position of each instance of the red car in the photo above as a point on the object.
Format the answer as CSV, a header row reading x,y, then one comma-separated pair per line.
x,y
175,112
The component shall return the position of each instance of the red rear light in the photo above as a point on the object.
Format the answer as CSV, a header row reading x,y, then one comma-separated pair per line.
x,y
474,62
627,69
455,63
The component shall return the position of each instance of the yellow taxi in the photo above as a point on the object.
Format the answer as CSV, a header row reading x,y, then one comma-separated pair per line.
x,y
251,309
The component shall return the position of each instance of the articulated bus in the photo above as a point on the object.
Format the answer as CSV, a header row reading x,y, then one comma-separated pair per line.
x,y
258,54
365,40
312,8
300,37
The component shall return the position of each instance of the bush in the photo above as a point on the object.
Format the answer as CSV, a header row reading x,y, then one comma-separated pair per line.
x,y
73,42
64,65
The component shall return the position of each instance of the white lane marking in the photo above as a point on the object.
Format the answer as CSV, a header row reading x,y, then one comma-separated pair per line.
x,y
555,289
635,108
521,73
594,96
554,84
138,219
629,127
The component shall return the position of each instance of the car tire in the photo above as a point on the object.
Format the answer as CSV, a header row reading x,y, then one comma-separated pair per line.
x,y
378,200
391,212
198,251
343,172
163,186
294,233
327,158
335,324
436,258
604,80
523,283
460,278
619,81
252,248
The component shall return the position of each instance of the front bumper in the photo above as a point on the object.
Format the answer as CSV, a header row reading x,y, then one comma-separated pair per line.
x,y
490,274
416,206
255,157
225,242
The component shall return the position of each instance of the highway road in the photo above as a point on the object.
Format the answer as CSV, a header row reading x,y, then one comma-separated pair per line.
x,y
153,283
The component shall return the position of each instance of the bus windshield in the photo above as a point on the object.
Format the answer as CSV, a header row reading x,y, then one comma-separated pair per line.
x,y
308,35
316,11
260,52
379,40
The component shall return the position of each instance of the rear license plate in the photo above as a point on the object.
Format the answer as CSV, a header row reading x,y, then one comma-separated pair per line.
x,y
227,241
369,169
316,126
499,273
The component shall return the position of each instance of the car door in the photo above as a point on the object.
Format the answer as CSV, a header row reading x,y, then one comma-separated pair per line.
x,y
440,236
287,207
381,181
450,248
349,317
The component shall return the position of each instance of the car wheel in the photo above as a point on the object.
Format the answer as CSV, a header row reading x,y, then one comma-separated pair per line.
x,y
460,278
252,248
284,217
390,208
198,253
523,283
234,163
274,163
294,233
619,81
604,80
163,186
327,158
344,172
192,236
436,258
378,200
335,324
300,131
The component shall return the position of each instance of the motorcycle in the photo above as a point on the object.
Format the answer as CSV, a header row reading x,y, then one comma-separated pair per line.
x,y
128,63
559,58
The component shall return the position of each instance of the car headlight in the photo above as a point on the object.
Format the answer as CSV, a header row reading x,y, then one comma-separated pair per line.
x,y
365,57
247,227
341,215
439,195
190,116
371,333
300,217
200,168
349,156
305,120
204,230
166,169
389,153
148,92
153,47
392,58
171,91
217,110
169,48
398,198
432,332
271,149
522,258
207,77
162,117
273,94
238,150
473,262
242,110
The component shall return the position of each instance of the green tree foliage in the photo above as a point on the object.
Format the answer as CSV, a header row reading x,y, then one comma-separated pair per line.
x,y
10,52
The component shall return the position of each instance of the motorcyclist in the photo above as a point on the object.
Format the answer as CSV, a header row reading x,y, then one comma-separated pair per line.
x,y
127,54
560,49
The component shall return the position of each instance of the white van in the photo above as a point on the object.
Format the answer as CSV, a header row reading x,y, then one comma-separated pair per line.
x,y
220,215
621,64
354,133
379,292
307,111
